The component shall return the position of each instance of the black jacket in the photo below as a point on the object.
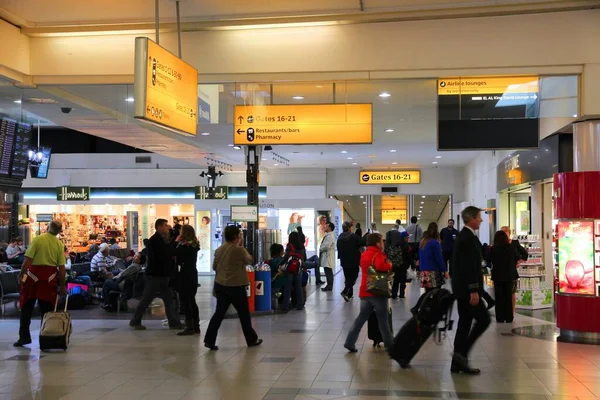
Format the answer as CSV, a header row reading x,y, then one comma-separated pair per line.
x,y
504,263
186,256
348,247
466,273
160,257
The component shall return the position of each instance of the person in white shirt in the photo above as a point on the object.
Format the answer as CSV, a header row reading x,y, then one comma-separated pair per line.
x,y
101,261
14,253
327,255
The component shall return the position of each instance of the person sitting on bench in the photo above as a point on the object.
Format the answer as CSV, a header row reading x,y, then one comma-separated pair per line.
x,y
117,283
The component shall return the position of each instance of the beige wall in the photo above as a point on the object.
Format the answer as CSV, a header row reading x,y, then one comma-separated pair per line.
x,y
14,52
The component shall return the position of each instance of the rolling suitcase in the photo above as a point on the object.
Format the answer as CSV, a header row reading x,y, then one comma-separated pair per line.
x,y
373,331
56,329
432,308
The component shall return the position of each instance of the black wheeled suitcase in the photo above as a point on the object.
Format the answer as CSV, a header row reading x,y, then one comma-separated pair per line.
x,y
56,329
409,341
373,331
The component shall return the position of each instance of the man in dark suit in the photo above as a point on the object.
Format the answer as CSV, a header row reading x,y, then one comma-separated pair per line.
x,y
467,285
348,247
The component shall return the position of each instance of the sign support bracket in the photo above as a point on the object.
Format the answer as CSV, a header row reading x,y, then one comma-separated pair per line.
x,y
253,154
156,20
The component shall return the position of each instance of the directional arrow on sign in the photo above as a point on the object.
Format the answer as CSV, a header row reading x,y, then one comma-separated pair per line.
x,y
240,131
241,119
535,97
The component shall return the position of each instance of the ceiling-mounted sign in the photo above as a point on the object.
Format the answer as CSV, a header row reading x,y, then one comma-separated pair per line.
x,y
391,216
201,193
389,177
244,213
165,88
303,124
73,193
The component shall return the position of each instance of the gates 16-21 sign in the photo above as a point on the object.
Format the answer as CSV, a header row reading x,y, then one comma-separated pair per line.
x,y
389,177
303,124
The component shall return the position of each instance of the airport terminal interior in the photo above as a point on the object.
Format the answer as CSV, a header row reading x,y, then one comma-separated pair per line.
x,y
448,147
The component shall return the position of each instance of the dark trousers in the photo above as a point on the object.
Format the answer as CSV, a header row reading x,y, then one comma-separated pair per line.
x,y
503,291
27,313
350,276
329,275
313,263
467,333
447,258
293,281
190,308
236,296
109,286
156,285
399,283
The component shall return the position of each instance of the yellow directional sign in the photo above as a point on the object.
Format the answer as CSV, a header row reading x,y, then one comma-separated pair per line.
x,y
503,85
390,216
389,177
303,124
165,88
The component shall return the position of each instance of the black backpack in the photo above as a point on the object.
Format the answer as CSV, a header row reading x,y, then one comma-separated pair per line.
x,y
394,254
433,306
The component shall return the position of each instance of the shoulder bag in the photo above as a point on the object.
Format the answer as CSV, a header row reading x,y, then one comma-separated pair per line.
x,y
378,283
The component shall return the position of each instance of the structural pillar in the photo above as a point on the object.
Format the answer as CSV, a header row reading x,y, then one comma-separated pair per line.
x,y
577,197
253,154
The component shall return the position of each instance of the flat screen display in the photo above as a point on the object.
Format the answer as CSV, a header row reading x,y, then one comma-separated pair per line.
x,y
576,257
488,113
7,141
39,169
21,151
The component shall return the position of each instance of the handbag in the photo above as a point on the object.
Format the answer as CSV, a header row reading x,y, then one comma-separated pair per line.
x,y
378,283
411,274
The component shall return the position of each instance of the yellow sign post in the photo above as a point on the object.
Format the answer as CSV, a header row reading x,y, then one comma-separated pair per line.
x,y
390,216
303,124
165,88
389,177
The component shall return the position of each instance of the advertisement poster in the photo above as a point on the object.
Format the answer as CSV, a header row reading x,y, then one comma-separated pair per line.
x,y
290,219
203,232
576,257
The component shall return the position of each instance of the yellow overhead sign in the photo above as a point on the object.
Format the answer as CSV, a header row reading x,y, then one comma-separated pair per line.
x,y
390,216
165,88
389,177
303,124
518,84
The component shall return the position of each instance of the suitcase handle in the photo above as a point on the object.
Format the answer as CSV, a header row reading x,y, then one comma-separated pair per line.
x,y
56,303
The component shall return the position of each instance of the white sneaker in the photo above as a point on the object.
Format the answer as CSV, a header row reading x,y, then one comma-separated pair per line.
x,y
165,322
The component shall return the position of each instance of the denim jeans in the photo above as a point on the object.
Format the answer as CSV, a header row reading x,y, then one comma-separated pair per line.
x,y
295,281
367,306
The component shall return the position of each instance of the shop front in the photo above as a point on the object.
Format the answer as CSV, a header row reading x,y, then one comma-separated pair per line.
x,y
524,184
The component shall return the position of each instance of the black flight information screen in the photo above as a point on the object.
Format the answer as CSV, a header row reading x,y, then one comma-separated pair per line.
x,y
21,150
488,113
7,140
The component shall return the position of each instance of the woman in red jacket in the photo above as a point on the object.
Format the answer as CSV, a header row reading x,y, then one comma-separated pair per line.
x,y
369,302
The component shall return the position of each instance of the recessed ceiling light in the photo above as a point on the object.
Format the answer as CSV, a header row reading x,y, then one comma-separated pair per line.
x,y
423,197
354,163
394,163
349,158
362,197
392,151
298,97
389,130
574,115
17,101
384,95
129,99
230,145
422,202
344,152
364,202
319,86
275,165
205,133
237,147
438,157
435,162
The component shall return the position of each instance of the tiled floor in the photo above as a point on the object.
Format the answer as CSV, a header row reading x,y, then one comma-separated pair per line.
x,y
302,359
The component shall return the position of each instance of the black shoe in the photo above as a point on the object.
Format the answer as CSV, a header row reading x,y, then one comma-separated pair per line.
x,y
22,342
187,332
257,343
460,364
137,327
345,297
212,347
394,297
351,349
320,282
327,289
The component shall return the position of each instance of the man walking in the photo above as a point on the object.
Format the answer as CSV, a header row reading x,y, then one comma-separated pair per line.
x,y
327,255
416,234
448,236
467,285
158,272
392,237
42,272
348,247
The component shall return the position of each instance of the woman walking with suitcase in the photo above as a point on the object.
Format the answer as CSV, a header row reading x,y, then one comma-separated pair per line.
x,y
372,257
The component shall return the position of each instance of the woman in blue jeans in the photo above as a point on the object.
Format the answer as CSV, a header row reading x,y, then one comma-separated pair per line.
x,y
372,256
292,278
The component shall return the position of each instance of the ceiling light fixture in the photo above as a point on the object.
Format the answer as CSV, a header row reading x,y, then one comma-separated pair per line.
x,y
384,95
423,197
435,162
392,151
17,101
354,163
230,145
344,152
237,147
130,99
422,202
349,158
298,97
275,165
438,157
319,86
205,133
394,163
389,130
